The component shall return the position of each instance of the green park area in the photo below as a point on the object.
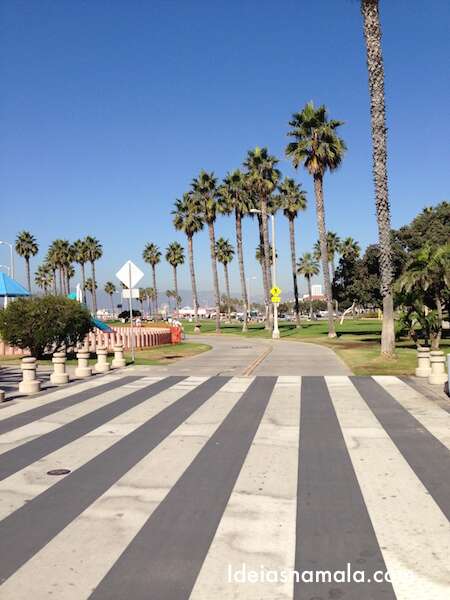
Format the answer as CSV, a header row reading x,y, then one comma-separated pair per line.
x,y
357,343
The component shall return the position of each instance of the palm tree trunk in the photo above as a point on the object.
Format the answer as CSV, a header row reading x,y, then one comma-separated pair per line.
x,y
294,269
94,294
27,267
320,214
372,35
212,248
193,282
55,291
155,288
175,287
266,285
61,291
68,280
308,279
241,267
83,281
227,286
265,231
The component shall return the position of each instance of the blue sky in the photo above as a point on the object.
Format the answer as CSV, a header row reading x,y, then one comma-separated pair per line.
x,y
108,109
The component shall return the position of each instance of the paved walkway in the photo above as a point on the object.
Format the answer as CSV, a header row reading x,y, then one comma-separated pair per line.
x,y
190,487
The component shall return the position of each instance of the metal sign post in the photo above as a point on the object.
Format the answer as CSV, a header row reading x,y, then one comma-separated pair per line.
x,y
130,275
131,313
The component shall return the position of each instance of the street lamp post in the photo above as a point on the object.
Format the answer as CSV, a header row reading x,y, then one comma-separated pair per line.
x,y
275,331
11,252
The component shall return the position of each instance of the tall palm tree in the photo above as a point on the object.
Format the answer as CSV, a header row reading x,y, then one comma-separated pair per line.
x,y
349,247
150,293
372,35
175,258
26,246
94,252
110,289
205,192
318,147
263,177
70,273
52,262
333,247
186,218
292,200
234,197
60,256
91,286
43,277
225,253
80,256
308,266
152,256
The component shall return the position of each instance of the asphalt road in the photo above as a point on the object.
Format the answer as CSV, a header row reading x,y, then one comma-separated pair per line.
x,y
225,487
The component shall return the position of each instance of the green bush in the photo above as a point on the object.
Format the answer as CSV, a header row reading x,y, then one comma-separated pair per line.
x,y
41,324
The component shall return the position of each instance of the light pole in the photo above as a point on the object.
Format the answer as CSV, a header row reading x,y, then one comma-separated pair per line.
x,y
11,251
276,331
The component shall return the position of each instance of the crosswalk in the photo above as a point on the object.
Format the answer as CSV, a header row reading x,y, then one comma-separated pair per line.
x,y
247,488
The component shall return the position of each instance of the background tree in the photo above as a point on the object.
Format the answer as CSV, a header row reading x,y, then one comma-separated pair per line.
x,y
175,258
308,266
26,247
110,289
262,178
152,256
81,257
372,36
91,286
234,197
186,218
94,252
333,248
205,192
349,246
225,253
292,200
150,293
318,147
43,277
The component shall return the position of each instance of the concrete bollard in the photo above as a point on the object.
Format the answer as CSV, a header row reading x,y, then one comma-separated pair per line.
x,y
102,365
2,396
59,375
438,375
29,383
118,360
423,362
83,369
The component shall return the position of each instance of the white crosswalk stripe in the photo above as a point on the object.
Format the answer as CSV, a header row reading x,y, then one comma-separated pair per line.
x,y
123,476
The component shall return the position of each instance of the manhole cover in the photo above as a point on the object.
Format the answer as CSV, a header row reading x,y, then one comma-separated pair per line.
x,y
58,472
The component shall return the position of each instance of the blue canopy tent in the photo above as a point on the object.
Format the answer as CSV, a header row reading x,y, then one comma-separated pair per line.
x,y
10,288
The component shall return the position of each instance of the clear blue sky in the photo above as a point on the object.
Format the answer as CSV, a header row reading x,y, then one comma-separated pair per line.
x,y
109,108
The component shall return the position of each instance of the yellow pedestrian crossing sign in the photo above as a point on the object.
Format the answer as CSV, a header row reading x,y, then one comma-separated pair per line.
x,y
276,299
275,291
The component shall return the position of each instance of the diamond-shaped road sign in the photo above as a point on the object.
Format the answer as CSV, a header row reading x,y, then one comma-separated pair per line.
x,y
129,274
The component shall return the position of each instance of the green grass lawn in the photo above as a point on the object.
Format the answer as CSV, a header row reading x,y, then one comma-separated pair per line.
x,y
357,343
159,355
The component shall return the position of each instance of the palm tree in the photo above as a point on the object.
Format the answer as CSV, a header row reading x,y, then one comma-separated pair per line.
x,y
333,247
52,263
225,253
60,256
150,294
234,196
110,289
318,147
43,277
152,256
80,256
186,218
292,199
94,252
372,35
349,247
70,273
308,266
263,177
204,190
26,246
91,286
175,258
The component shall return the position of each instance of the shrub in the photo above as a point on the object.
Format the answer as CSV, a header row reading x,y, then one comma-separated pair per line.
x,y
125,314
47,323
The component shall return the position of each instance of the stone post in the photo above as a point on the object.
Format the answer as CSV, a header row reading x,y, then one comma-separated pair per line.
x,y
118,360
83,369
438,375
59,375
102,365
29,383
423,362
2,396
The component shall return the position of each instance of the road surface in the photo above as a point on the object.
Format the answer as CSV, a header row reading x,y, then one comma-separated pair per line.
x,y
225,487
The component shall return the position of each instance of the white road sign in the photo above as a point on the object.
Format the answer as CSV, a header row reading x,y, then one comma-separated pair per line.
x,y
129,274
134,293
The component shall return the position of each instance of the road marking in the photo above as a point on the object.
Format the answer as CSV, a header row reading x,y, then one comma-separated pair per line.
x,y
258,360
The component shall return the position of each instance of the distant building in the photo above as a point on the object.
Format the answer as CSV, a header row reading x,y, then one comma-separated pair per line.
x,y
316,293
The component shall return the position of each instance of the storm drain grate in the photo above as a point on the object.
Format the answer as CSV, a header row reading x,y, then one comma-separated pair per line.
x,y
58,472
